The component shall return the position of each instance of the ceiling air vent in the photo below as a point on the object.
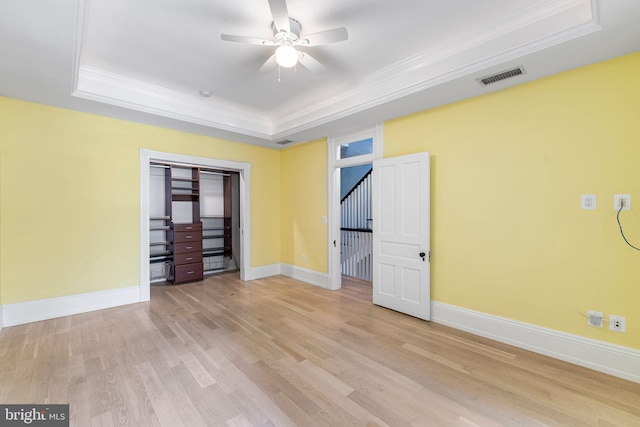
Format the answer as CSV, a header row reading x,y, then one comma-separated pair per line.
x,y
503,75
284,142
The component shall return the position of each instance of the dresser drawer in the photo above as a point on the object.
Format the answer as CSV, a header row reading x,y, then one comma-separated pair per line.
x,y
188,272
187,236
181,248
187,258
188,227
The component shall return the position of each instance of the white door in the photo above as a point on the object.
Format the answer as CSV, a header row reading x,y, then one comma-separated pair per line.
x,y
401,274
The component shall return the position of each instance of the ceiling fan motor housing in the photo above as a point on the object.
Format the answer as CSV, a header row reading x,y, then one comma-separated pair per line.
x,y
284,37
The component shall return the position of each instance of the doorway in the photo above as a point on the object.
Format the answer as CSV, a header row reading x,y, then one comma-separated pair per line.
x,y
241,171
350,219
356,222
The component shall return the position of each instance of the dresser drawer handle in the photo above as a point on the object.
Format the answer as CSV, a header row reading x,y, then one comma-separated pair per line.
x,y
188,237
188,228
190,272
189,259
189,247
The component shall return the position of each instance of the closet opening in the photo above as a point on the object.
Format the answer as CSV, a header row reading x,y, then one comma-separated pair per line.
x,y
241,249
194,222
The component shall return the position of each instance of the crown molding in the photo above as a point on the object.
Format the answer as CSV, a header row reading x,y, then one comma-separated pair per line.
x,y
102,86
552,25
80,21
541,25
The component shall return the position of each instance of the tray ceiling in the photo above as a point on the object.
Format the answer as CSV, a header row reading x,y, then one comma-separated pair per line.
x,y
149,60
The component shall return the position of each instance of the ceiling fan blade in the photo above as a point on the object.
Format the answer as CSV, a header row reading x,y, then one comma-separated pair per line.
x,y
311,63
325,37
280,15
268,65
244,39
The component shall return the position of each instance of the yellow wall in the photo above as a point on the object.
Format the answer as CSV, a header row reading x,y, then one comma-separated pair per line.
x,y
303,204
508,235
70,198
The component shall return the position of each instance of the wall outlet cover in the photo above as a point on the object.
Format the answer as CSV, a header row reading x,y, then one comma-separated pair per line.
x,y
625,198
617,323
588,201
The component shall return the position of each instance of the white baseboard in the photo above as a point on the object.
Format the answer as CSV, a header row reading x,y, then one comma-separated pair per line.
x,y
35,311
612,359
50,308
255,273
311,277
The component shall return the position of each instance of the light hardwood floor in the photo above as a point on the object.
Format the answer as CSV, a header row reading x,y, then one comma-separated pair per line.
x,y
276,352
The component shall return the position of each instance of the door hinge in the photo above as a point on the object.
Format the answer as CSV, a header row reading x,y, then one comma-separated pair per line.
x,y
429,256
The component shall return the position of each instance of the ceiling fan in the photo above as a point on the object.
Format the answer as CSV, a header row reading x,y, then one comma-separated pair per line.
x,y
286,36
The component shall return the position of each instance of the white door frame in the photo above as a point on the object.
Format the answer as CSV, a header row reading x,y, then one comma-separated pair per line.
x,y
333,204
243,169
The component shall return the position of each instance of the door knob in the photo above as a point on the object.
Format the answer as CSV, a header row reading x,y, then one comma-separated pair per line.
x,y
422,255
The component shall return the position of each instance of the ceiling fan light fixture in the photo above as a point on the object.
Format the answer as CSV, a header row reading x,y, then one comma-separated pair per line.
x,y
286,56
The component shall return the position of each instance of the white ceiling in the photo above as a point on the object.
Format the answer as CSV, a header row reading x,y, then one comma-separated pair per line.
x,y
147,60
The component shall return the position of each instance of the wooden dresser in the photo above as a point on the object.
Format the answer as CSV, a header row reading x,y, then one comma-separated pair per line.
x,y
187,253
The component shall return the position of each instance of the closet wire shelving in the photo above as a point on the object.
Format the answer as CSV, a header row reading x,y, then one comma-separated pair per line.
x,y
160,251
216,235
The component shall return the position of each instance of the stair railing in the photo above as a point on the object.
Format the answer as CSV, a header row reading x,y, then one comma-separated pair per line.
x,y
356,231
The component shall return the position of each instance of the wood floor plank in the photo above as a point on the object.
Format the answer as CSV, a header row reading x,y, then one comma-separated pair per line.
x,y
300,416
272,383
259,399
277,352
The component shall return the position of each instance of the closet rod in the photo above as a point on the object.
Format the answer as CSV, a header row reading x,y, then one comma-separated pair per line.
x,y
215,173
168,164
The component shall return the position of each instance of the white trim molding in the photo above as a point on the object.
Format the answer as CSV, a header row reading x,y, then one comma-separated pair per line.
x,y
539,25
51,308
609,358
305,275
255,273
109,88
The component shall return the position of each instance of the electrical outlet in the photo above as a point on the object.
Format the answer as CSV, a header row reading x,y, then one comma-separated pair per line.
x,y
623,200
617,323
588,201
304,258
595,318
